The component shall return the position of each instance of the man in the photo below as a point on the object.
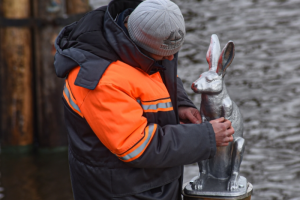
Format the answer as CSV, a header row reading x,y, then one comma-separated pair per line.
x,y
125,106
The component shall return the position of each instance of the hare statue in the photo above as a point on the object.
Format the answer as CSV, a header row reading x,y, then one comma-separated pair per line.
x,y
223,169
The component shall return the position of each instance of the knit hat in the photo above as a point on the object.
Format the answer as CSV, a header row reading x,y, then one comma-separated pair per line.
x,y
157,26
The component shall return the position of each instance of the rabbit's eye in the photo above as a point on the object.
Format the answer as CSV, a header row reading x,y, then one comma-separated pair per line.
x,y
208,79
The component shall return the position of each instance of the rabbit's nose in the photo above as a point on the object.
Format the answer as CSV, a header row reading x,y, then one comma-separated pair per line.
x,y
194,87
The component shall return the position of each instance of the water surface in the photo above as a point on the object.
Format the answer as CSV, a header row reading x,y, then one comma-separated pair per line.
x,y
263,80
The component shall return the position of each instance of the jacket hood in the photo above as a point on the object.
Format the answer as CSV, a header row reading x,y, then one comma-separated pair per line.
x,y
98,38
125,48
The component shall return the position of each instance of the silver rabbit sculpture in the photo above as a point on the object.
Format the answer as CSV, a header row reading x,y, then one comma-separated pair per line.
x,y
216,103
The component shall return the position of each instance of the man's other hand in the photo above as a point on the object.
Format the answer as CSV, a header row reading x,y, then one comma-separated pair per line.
x,y
223,131
189,115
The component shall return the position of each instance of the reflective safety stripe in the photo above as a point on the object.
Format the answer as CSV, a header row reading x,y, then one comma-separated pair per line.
x,y
69,98
158,105
138,151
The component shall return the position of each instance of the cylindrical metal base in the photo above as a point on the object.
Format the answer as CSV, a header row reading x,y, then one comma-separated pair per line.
x,y
247,196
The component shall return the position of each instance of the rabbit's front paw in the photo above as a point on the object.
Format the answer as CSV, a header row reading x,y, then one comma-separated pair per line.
x,y
233,182
198,184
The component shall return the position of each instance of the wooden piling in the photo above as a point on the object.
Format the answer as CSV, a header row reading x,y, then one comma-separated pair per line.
x,y
52,133
77,6
16,77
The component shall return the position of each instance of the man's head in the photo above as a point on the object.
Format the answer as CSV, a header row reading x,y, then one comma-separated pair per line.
x,y
157,26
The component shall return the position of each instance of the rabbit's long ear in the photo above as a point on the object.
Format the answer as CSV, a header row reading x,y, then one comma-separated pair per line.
x,y
226,58
213,52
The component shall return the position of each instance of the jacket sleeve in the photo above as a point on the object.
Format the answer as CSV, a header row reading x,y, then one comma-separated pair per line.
x,y
182,97
117,119
179,144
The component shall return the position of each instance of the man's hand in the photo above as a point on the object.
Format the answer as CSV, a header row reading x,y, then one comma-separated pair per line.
x,y
223,131
189,115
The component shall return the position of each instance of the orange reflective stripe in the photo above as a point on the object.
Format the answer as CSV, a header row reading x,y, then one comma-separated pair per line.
x,y
141,146
158,105
68,96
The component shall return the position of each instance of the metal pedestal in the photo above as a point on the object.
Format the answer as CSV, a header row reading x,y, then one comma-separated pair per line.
x,y
246,196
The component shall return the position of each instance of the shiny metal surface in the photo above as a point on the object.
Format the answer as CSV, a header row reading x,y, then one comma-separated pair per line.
x,y
217,187
246,196
219,176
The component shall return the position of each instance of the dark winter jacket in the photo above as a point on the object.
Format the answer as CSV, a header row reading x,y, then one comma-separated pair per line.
x,y
121,111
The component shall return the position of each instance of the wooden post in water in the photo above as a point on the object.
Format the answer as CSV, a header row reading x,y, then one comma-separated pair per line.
x,y
16,77
52,133
77,6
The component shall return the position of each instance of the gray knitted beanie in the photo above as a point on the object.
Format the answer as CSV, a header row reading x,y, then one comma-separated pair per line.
x,y
157,26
